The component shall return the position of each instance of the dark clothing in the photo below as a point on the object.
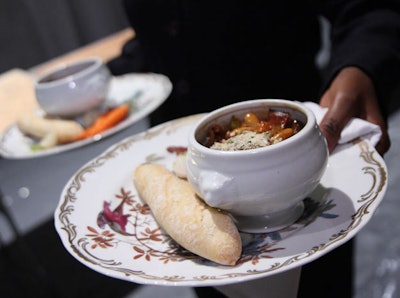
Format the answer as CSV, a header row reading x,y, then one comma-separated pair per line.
x,y
224,51
220,52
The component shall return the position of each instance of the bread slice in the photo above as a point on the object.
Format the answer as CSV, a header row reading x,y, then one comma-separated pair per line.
x,y
193,224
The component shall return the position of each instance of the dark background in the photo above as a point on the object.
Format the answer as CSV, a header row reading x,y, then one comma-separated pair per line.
x,y
34,31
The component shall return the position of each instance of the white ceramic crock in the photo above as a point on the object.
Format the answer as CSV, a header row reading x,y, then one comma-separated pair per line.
x,y
262,188
73,89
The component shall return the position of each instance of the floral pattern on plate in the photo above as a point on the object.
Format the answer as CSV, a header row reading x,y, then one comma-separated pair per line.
x,y
103,223
132,218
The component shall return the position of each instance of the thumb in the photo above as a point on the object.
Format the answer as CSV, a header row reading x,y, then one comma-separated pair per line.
x,y
335,118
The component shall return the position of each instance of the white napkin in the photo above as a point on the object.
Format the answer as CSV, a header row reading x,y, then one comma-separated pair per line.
x,y
355,128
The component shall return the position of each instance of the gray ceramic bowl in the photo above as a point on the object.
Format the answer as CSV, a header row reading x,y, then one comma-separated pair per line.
x,y
73,89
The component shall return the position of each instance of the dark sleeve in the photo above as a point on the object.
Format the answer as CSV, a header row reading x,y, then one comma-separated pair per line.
x,y
155,25
366,34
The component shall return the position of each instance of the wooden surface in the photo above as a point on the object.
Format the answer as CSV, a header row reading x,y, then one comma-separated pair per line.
x,y
106,48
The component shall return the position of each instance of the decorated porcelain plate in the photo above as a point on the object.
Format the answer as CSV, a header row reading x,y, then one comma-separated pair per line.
x,y
146,91
101,194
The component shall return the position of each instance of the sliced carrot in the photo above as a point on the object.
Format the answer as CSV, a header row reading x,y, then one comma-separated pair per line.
x,y
105,121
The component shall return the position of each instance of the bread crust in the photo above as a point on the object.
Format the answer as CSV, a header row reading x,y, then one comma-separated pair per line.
x,y
193,224
64,130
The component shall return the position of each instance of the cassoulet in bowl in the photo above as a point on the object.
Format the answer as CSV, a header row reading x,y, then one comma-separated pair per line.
x,y
258,160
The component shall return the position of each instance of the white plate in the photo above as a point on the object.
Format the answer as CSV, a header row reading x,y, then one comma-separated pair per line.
x,y
349,193
148,91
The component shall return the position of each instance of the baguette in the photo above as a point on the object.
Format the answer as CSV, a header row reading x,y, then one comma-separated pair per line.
x,y
50,131
193,224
